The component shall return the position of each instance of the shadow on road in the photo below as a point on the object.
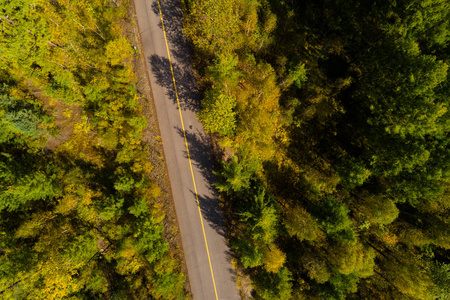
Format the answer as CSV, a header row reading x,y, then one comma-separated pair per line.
x,y
201,157
211,212
200,153
173,25
185,81
181,58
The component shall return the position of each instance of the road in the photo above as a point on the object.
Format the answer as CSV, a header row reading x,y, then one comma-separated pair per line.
x,y
187,150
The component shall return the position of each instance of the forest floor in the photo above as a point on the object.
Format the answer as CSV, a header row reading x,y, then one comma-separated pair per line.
x,y
65,116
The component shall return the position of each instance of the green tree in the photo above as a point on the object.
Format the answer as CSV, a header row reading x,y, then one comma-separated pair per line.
x,y
334,219
271,286
236,175
353,258
217,113
218,24
301,224
376,210
440,274
262,217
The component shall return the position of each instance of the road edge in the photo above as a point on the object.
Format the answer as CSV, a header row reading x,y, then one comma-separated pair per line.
x,y
150,100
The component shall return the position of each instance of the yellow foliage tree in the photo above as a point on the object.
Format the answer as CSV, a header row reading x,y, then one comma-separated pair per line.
x,y
274,258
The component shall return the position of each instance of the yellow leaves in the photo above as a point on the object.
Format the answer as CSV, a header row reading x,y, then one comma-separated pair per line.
x,y
87,197
115,29
101,124
60,248
127,252
17,93
109,139
217,24
157,212
85,207
250,18
166,264
137,283
274,258
116,105
282,136
133,152
301,224
142,166
56,280
67,113
118,50
81,144
317,270
353,258
390,239
124,138
81,127
33,226
257,109
413,236
66,204
408,277
270,22
130,263
114,232
124,156
154,190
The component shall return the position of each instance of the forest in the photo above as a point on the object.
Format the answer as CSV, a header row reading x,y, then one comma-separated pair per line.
x,y
80,215
332,123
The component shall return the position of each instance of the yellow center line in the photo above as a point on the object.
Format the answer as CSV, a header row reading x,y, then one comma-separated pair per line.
x,y
187,150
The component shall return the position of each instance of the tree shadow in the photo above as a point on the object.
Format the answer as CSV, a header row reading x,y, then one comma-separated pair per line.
x,y
200,154
211,212
185,80
173,26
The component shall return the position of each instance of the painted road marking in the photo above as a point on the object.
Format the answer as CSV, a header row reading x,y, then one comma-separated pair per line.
x,y
187,150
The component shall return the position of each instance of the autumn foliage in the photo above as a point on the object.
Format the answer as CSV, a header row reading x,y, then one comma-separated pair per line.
x,y
79,216
334,117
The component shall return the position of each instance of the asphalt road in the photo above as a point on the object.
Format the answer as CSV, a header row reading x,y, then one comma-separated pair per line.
x,y
190,171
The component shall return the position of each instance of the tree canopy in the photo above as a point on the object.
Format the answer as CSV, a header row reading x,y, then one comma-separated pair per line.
x,y
343,109
80,216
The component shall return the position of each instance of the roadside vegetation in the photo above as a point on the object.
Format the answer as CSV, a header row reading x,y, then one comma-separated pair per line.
x,y
333,119
80,217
